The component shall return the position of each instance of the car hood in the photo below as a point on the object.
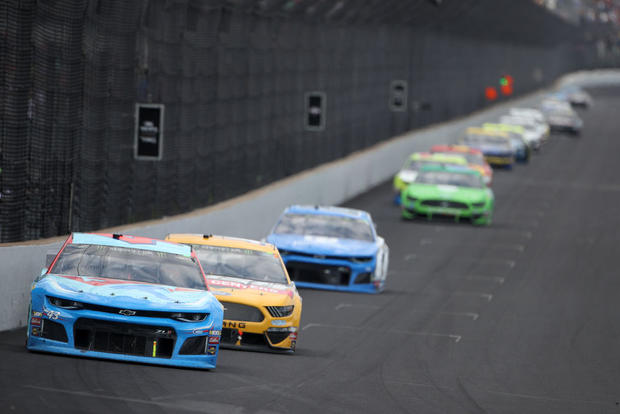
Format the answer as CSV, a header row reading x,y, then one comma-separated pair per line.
x,y
323,246
244,290
121,293
448,192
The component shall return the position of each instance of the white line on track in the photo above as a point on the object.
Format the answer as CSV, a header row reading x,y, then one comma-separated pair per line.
x,y
474,316
355,305
494,246
496,279
522,233
503,393
510,263
456,338
487,296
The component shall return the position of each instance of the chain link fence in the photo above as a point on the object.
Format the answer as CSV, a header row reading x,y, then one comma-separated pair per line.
x,y
234,77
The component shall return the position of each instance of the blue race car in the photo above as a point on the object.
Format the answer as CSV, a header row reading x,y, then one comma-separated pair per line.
x,y
127,298
331,248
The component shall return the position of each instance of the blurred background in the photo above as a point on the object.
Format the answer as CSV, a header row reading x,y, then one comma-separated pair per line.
x,y
114,112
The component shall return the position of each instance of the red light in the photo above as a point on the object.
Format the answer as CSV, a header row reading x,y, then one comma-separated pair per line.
x,y
506,89
490,93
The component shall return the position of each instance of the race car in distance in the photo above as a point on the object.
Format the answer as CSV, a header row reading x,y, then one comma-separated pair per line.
x,y
416,161
564,119
128,298
331,248
474,158
576,96
454,192
534,133
262,309
495,146
520,146
530,113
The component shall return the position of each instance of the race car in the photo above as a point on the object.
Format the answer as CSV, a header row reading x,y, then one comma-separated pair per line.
x,y
262,308
449,192
564,120
530,113
576,96
331,248
516,133
416,161
496,146
534,133
114,296
474,157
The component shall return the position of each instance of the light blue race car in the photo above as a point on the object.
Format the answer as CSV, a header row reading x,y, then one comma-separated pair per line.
x,y
128,298
331,248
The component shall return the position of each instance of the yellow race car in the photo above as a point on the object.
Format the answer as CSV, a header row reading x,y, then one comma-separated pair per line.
x,y
262,308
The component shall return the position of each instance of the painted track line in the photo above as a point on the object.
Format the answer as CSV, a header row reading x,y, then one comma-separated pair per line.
x,y
454,337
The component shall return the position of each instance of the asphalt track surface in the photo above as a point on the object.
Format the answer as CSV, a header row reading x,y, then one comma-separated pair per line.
x,y
521,317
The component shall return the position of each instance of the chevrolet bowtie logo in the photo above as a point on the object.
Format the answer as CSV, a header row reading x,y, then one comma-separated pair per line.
x,y
127,312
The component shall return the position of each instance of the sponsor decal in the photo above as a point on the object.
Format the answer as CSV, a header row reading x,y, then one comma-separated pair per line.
x,y
293,336
214,339
35,321
215,332
278,322
199,331
51,314
96,281
211,349
37,314
35,331
214,281
233,324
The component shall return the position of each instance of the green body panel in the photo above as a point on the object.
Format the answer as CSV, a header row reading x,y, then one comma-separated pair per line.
x,y
477,214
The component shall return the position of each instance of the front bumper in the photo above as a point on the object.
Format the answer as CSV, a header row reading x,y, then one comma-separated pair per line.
x,y
500,160
277,333
333,274
575,129
148,340
478,216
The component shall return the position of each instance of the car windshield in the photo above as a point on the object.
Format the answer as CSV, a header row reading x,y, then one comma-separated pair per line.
x,y
129,264
472,158
241,263
476,140
325,225
449,178
416,165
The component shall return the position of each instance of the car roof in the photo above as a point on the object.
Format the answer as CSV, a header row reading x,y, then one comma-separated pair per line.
x,y
131,242
451,168
504,127
446,158
489,132
328,211
455,149
222,241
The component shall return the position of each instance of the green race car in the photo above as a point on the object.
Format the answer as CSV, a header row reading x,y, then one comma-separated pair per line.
x,y
416,162
449,191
